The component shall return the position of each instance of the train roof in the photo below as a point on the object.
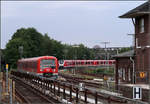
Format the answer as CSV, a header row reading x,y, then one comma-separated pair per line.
x,y
88,60
37,58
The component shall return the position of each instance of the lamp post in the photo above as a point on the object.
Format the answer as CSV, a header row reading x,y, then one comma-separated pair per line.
x,y
105,43
75,46
65,53
0,59
21,51
149,50
106,56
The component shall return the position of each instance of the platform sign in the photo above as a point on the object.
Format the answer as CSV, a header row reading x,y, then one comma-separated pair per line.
x,y
142,74
81,86
137,92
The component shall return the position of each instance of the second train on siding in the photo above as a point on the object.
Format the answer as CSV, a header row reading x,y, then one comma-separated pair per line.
x,y
85,63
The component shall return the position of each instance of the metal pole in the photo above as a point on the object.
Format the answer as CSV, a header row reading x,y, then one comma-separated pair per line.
x,y
76,46
0,58
7,79
76,63
117,51
133,77
108,62
10,81
149,51
14,90
21,51
0,88
105,43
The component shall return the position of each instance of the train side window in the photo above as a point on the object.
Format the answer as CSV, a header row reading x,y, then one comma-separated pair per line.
x,y
110,62
77,63
82,63
106,62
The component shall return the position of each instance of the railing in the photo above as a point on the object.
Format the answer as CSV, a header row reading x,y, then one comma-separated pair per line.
x,y
70,93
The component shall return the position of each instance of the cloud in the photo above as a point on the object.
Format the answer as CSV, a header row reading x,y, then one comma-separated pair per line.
x,y
31,8
88,20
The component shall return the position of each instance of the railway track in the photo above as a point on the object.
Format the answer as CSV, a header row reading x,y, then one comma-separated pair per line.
x,y
88,83
30,95
68,92
76,80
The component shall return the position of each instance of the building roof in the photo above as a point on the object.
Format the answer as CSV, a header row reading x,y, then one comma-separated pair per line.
x,y
125,54
138,11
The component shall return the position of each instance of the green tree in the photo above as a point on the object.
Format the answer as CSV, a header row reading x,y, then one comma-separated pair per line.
x,y
30,39
47,45
57,49
125,49
35,44
11,52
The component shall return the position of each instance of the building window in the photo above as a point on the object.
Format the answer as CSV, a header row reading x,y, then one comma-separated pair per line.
x,y
129,75
120,73
124,74
141,25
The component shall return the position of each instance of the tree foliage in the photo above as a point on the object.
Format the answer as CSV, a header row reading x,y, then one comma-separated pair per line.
x,y
36,44
29,39
125,49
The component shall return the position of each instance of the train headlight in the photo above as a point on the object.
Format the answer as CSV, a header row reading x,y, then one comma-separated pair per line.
x,y
54,70
47,70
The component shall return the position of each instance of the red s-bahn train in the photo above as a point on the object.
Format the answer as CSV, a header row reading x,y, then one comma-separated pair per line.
x,y
46,66
85,63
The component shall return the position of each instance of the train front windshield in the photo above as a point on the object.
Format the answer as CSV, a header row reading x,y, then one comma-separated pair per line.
x,y
49,63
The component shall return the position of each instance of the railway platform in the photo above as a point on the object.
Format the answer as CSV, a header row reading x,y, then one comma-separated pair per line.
x,y
70,92
143,86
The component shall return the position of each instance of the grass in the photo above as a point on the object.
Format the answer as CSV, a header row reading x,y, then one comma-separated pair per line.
x,y
109,71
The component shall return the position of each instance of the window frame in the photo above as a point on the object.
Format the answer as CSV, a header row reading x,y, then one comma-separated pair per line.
x,y
141,25
124,74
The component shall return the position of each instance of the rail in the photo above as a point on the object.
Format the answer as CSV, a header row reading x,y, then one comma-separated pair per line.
x,y
71,93
30,95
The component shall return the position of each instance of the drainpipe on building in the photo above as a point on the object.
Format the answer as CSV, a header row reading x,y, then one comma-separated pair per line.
x,y
149,53
134,48
133,76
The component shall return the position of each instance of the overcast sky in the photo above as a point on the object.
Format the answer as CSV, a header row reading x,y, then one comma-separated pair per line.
x,y
89,23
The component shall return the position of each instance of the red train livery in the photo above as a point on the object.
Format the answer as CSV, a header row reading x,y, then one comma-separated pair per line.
x,y
44,65
84,63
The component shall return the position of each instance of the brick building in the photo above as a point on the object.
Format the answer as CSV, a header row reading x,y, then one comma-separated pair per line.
x,y
141,19
124,67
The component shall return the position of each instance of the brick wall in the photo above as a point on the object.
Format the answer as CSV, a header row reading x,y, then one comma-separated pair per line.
x,y
124,64
142,57
128,92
